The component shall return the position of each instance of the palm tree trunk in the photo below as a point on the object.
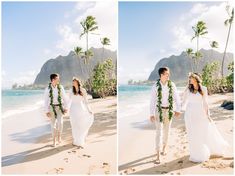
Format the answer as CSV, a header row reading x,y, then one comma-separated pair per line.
x,y
197,43
86,57
191,66
222,66
87,41
197,53
191,63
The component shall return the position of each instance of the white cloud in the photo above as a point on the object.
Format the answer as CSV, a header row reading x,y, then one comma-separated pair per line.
x,y
214,17
106,17
182,40
84,5
199,8
21,78
124,75
69,38
26,77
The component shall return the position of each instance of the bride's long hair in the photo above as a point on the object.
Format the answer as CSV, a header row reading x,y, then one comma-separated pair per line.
x,y
198,79
79,87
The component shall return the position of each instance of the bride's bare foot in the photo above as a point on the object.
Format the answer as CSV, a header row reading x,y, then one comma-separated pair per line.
x,y
80,147
59,138
54,142
157,160
60,141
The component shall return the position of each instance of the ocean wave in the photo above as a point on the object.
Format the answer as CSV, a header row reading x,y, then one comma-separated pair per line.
x,y
22,109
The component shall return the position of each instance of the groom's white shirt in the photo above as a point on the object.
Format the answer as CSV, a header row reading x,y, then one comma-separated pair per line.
x,y
165,102
55,98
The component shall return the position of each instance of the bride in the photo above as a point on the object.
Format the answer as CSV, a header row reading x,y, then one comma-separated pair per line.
x,y
203,136
81,116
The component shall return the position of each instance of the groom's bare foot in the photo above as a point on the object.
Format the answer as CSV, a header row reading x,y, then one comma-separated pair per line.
x,y
157,160
53,145
164,151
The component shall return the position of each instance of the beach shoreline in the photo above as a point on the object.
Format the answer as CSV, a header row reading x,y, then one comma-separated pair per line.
x,y
30,132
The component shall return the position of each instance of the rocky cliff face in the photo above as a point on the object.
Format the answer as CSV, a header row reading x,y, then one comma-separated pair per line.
x,y
180,65
72,65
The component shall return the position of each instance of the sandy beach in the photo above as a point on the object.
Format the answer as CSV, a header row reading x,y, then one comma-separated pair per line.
x,y
137,140
26,144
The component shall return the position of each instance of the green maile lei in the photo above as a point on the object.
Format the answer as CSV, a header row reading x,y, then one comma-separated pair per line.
x,y
170,99
59,99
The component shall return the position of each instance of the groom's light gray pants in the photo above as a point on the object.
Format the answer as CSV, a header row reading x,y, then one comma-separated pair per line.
x,y
56,123
162,129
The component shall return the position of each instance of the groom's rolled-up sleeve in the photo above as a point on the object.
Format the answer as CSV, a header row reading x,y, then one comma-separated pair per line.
x,y
153,101
176,98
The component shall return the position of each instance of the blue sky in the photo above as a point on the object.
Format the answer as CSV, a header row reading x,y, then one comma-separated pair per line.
x,y
34,32
149,31
28,29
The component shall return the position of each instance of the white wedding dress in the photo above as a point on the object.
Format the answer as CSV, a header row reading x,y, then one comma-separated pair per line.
x,y
80,117
203,136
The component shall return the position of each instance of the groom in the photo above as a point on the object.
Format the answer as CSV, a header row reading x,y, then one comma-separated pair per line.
x,y
56,104
164,97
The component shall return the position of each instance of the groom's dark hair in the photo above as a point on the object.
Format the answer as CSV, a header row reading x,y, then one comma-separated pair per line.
x,y
53,76
162,70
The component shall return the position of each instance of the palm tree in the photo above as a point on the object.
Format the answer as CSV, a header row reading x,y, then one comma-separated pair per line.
x,y
88,54
78,51
189,53
197,56
105,41
88,25
227,22
199,30
213,44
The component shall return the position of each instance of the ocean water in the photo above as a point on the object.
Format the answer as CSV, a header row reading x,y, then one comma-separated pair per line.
x,y
134,99
18,101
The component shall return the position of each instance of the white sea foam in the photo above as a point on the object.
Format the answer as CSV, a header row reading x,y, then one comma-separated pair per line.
x,y
22,109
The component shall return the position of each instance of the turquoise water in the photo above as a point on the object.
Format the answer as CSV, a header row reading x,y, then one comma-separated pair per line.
x,y
20,100
128,91
133,99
